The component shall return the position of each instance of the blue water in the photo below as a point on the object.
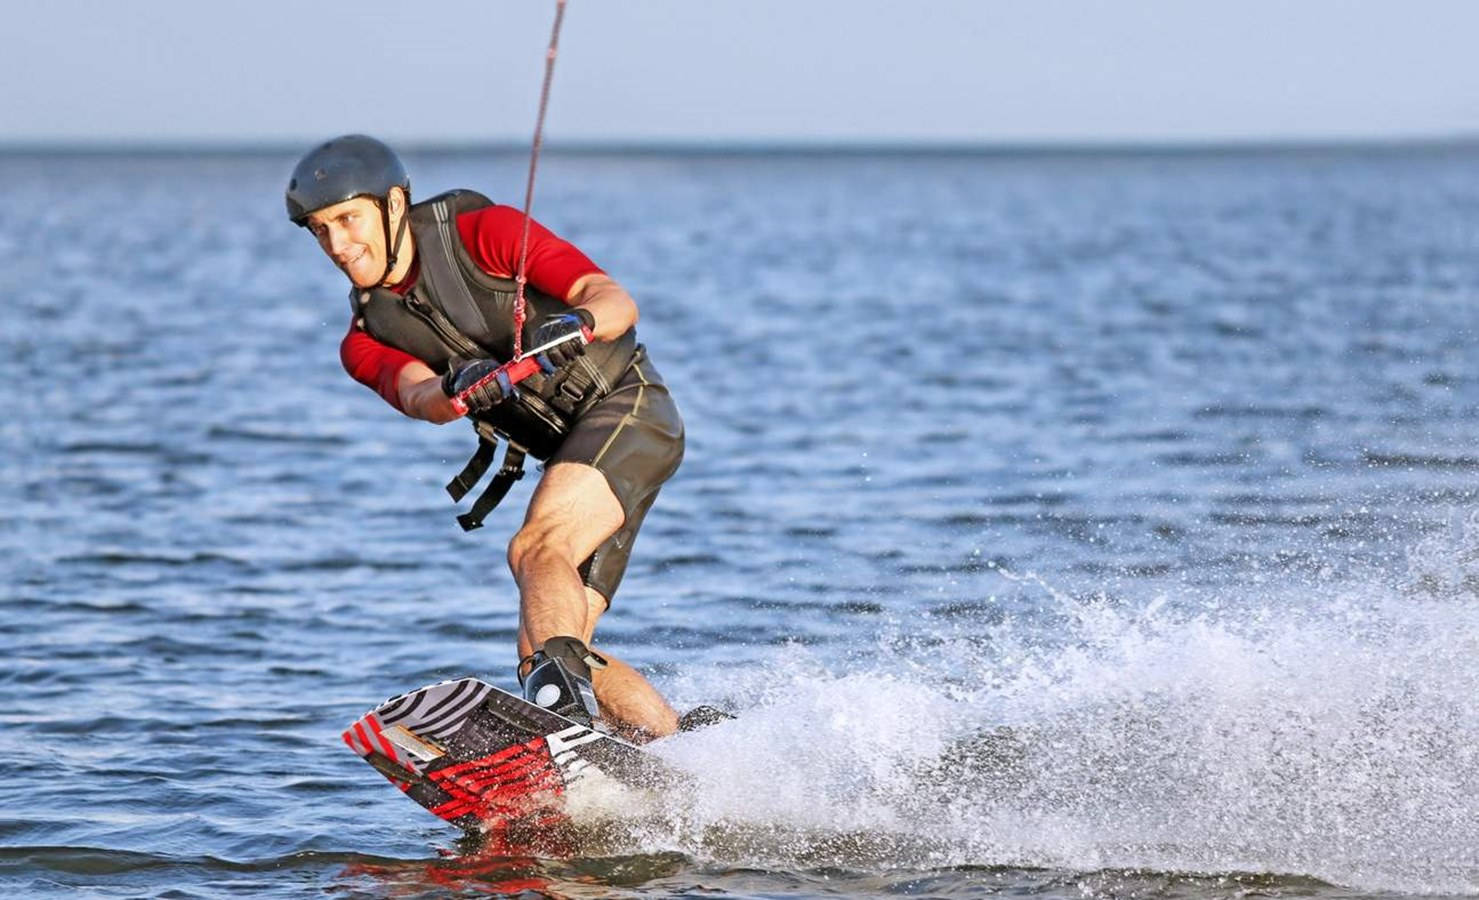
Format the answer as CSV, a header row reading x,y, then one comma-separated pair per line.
x,y
1077,525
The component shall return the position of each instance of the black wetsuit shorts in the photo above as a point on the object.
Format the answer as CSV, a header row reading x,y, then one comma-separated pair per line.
x,y
633,436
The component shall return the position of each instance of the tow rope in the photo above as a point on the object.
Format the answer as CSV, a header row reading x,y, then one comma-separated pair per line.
x,y
517,368
509,373
549,74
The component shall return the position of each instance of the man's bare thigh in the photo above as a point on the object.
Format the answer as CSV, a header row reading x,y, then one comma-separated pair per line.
x,y
573,508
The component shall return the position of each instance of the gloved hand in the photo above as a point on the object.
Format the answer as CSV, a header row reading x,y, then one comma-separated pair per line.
x,y
576,321
459,380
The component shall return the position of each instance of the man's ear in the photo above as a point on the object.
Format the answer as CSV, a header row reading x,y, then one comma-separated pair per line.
x,y
397,200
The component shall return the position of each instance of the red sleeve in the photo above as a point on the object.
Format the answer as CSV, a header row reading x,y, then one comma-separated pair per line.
x,y
375,365
492,236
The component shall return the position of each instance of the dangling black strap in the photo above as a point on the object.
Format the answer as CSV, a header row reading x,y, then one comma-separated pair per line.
x,y
497,489
472,473
511,471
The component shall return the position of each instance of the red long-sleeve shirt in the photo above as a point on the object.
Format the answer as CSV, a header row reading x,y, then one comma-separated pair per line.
x,y
491,236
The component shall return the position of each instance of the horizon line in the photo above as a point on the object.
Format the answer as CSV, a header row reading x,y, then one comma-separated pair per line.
x,y
755,147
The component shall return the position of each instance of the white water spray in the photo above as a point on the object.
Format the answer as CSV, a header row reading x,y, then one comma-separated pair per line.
x,y
1329,732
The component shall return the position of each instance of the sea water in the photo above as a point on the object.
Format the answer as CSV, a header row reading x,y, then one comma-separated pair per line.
x,y
1067,524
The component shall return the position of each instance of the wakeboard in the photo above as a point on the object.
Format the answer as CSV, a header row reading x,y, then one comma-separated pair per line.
x,y
478,756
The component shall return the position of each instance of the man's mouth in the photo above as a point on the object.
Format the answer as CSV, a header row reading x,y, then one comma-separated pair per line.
x,y
349,261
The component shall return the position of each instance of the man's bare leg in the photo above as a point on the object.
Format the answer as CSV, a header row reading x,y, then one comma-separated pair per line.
x,y
626,697
572,512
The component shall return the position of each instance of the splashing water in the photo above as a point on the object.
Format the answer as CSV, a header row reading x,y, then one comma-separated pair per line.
x,y
1326,732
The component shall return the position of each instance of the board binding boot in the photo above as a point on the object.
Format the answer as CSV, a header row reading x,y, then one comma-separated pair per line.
x,y
558,678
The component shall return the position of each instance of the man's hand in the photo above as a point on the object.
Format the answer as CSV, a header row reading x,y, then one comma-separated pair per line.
x,y
459,383
562,325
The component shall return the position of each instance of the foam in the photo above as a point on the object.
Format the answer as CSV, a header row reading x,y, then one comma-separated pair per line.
x,y
1324,730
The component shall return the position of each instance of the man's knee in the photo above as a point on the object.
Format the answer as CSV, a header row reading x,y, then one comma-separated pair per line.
x,y
533,545
572,512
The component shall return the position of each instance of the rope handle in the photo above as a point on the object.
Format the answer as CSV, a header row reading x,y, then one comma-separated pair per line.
x,y
516,370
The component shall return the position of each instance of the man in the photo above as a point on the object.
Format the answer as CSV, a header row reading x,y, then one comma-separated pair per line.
x,y
434,306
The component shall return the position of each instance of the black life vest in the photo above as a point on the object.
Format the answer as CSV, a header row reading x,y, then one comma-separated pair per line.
x,y
455,312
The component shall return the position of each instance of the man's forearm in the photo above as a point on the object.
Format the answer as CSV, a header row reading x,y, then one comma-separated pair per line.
x,y
422,397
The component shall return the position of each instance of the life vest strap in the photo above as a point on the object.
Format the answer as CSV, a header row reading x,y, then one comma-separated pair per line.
x,y
511,471
473,472
573,387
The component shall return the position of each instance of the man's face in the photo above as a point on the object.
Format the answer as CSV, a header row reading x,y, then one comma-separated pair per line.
x,y
353,236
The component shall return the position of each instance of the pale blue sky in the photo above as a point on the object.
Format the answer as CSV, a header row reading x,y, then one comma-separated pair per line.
x,y
274,71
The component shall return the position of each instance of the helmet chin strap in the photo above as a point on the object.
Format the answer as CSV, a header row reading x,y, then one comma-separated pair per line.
x,y
392,250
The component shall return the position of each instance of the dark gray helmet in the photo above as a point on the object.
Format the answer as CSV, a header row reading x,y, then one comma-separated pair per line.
x,y
341,169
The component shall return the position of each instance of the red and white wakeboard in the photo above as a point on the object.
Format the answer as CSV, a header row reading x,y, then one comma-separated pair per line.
x,y
479,756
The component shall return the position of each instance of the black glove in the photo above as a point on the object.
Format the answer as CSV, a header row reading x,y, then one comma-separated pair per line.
x,y
559,325
460,378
